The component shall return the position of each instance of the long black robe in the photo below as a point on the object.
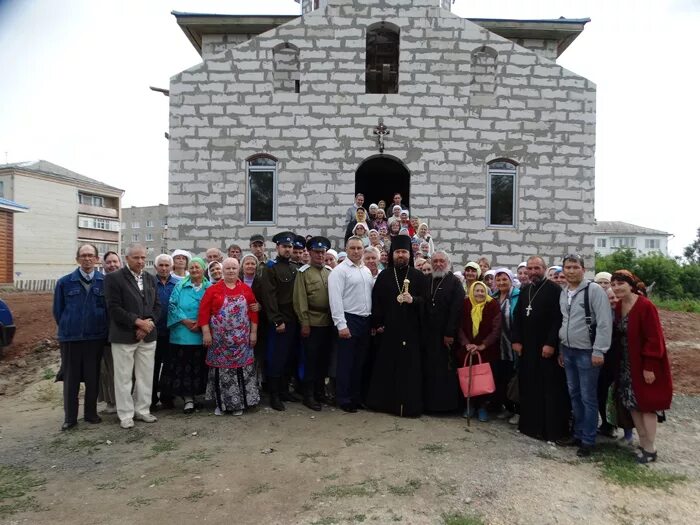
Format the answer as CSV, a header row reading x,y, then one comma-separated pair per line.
x,y
444,309
544,398
396,386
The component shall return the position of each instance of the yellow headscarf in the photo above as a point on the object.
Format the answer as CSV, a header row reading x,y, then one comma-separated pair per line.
x,y
478,308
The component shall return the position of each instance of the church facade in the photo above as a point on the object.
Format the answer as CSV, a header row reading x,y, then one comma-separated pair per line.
x,y
488,139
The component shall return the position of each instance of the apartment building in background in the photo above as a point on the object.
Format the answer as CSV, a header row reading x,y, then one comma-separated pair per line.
x,y
147,225
611,236
64,209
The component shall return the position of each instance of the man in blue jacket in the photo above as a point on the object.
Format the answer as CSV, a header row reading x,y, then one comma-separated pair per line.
x,y
81,315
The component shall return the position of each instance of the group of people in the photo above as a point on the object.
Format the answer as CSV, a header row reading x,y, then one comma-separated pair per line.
x,y
384,324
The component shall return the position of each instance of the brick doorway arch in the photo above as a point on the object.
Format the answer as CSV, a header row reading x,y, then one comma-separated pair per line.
x,y
379,177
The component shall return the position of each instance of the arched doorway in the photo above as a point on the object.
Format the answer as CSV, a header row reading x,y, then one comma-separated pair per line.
x,y
379,177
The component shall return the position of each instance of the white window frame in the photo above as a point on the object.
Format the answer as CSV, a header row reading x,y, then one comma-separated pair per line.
x,y
257,169
98,223
514,173
149,223
2,189
148,237
134,237
623,242
91,200
602,242
135,225
652,244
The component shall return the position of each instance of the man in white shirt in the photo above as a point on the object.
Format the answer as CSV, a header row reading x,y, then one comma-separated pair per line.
x,y
350,294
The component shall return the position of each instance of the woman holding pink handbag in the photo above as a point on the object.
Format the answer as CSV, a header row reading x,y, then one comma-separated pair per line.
x,y
479,336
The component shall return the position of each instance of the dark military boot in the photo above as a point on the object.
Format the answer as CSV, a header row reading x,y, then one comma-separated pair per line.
x,y
273,384
309,400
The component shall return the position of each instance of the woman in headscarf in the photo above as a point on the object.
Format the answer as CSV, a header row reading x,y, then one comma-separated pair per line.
x,y
374,239
406,223
215,271
360,230
394,230
644,385
472,272
187,368
248,274
507,297
360,217
331,258
490,280
423,234
480,333
230,331
181,261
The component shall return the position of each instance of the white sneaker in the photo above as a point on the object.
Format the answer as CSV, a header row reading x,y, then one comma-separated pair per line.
x,y
218,412
127,423
146,418
238,412
110,409
515,419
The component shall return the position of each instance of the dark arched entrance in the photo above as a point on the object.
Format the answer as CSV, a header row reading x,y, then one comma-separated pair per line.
x,y
380,177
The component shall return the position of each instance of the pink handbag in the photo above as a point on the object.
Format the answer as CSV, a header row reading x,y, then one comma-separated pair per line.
x,y
476,380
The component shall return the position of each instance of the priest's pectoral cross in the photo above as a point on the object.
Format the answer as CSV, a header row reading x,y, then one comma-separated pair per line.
x,y
528,310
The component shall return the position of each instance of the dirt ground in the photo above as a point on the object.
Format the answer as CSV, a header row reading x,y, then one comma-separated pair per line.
x,y
319,468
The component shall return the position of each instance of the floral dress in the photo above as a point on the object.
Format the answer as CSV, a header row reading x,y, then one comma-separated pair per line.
x,y
232,379
624,385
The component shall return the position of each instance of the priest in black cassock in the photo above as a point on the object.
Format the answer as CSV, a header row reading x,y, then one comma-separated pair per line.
x,y
544,398
398,301
443,315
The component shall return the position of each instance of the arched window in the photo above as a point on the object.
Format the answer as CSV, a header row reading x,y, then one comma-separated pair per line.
x,y
483,71
262,189
502,192
382,68
286,68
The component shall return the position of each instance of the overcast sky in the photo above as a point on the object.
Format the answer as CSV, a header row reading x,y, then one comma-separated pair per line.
x,y
74,78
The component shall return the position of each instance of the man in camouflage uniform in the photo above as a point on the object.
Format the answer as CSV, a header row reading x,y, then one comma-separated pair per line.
x,y
313,311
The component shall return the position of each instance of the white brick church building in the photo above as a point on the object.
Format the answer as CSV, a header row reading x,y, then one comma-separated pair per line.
x,y
488,139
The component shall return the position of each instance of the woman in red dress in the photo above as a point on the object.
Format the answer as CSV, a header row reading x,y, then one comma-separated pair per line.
x,y
480,333
644,382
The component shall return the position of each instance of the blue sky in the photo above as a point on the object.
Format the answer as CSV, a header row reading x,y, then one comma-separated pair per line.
x,y
74,78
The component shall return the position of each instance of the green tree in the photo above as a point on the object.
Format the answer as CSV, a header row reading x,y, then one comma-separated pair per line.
x,y
692,251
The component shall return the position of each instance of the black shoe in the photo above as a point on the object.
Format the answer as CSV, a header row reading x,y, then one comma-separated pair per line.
x,y
311,403
94,419
348,407
276,403
68,426
570,441
646,457
607,430
585,451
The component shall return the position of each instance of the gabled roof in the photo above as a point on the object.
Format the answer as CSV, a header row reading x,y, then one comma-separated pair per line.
x,y
54,171
8,205
194,25
625,228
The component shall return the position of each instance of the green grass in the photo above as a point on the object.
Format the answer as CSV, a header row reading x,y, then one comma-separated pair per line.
x,y
135,435
367,488
445,487
456,518
619,466
407,489
199,455
48,374
326,521
16,485
678,305
433,448
164,445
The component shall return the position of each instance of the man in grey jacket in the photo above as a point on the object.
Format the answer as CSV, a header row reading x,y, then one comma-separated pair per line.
x,y
585,337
